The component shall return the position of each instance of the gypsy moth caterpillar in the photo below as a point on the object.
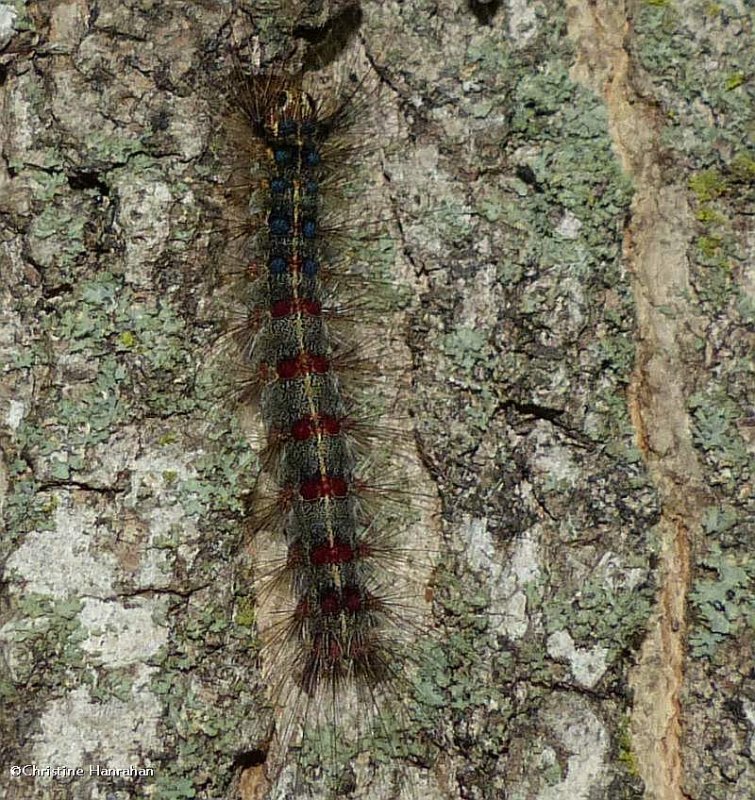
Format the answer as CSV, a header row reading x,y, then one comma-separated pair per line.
x,y
338,597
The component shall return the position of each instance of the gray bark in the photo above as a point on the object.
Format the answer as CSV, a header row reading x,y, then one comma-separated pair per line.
x,y
566,189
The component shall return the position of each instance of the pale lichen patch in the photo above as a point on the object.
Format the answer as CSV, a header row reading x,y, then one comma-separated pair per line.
x,y
70,547
522,20
508,583
8,16
75,727
107,460
749,710
554,462
587,664
119,635
15,413
143,220
569,226
583,736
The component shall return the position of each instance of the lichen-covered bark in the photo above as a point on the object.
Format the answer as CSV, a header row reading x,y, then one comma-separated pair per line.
x,y
566,187
673,78
125,636
523,346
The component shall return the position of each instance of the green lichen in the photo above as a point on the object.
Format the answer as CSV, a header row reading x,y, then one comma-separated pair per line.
x,y
23,21
719,519
127,340
734,80
246,613
600,613
103,321
553,341
63,231
668,43
107,684
742,168
451,676
172,787
126,356
710,216
715,432
717,248
207,721
722,600
112,148
560,124
26,508
44,631
709,246
59,469
707,185
626,755
466,347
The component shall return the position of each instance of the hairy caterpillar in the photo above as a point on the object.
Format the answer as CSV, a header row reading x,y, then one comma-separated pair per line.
x,y
336,605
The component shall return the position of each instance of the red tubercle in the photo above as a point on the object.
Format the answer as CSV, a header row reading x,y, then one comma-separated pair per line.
x,y
349,600
324,645
337,553
331,426
303,364
323,486
290,308
302,429
315,424
330,603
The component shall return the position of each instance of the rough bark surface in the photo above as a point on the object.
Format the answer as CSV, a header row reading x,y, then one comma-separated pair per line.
x,y
568,191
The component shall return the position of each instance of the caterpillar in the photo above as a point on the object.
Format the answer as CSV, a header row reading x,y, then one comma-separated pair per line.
x,y
332,615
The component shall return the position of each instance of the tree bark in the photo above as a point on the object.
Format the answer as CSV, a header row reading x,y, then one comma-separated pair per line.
x,y
567,187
